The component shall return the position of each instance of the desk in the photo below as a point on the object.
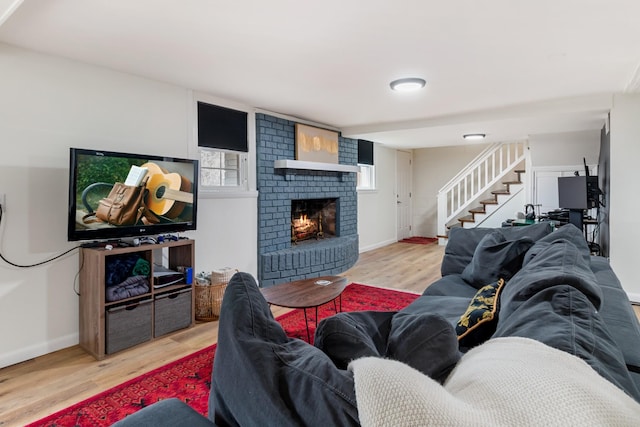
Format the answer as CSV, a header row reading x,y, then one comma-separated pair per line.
x,y
593,247
522,222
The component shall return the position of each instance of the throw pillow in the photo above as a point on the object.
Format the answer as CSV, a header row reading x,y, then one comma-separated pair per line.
x,y
495,257
462,243
478,323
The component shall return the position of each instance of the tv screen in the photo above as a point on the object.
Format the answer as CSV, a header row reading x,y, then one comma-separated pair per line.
x,y
114,195
572,192
578,192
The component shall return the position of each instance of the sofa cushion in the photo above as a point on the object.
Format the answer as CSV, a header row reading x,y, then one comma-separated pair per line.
x,y
618,314
568,233
478,322
495,258
556,299
449,307
168,412
462,243
450,286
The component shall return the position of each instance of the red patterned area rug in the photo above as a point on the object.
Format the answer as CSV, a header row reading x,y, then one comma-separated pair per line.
x,y
189,378
419,240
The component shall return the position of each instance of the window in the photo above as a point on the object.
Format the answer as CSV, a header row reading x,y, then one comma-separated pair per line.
x,y
366,176
223,146
220,169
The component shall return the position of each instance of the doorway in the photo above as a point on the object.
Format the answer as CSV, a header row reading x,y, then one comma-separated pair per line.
x,y
404,173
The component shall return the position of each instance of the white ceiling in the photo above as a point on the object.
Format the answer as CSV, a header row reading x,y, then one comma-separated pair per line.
x,y
507,68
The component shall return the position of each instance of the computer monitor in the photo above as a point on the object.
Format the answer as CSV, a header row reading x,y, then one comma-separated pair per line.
x,y
578,192
572,192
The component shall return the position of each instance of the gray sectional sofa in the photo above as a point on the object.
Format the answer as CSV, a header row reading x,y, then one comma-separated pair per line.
x,y
545,286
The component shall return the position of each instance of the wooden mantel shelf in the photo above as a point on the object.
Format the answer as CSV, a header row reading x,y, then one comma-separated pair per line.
x,y
303,165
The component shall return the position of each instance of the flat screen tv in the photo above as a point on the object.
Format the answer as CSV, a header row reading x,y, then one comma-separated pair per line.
x,y
169,188
578,192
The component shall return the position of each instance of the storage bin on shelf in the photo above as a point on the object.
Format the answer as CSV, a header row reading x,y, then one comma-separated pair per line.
x,y
209,290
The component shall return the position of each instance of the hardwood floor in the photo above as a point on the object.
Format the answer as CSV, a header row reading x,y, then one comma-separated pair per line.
x,y
36,388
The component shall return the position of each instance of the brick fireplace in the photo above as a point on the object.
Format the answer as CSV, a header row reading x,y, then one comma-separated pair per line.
x,y
282,256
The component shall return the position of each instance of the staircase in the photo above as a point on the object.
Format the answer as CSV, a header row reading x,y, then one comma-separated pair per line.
x,y
492,204
479,189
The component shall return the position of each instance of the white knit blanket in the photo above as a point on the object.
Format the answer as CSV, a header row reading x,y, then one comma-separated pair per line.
x,y
504,382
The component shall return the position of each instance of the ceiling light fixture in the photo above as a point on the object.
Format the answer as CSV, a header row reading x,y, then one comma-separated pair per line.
x,y
408,84
474,136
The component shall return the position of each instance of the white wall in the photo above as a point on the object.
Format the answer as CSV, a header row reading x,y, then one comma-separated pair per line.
x,y
625,201
49,104
432,169
567,148
377,208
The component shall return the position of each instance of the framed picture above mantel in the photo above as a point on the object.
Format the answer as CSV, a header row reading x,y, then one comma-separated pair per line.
x,y
316,145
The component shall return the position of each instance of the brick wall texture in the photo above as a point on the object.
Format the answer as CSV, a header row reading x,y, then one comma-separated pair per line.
x,y
278,260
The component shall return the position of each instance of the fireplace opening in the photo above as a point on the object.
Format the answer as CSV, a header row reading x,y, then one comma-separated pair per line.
x,y
313,219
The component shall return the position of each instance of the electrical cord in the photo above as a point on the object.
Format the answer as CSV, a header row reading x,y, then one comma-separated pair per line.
x,y
37,263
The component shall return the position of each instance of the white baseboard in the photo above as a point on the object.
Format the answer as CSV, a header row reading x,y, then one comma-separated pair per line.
x,y
376,246
24,354
633,297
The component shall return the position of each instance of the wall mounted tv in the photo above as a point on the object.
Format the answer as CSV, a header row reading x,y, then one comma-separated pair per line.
x,y
169,188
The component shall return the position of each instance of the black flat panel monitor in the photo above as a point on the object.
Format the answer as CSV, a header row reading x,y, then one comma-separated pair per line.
x,y
572,192
578,192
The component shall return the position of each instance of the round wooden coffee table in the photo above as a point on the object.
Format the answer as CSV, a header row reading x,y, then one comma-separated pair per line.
x,y
307,293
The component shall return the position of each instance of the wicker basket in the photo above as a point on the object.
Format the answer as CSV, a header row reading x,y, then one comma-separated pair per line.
x,y
209,293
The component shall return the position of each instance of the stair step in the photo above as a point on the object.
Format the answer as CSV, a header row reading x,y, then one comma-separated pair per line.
x,y
488,206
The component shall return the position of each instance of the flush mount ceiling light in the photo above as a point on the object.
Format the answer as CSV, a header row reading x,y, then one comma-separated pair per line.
x,y
407,84
474,136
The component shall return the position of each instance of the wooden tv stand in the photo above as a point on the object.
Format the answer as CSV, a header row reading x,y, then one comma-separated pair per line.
x,y
108,327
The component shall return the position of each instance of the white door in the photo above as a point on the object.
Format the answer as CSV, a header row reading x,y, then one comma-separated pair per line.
x,y
403,193
545,192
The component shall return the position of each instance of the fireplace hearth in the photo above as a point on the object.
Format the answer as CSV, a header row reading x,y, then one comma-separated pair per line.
x,y
313,219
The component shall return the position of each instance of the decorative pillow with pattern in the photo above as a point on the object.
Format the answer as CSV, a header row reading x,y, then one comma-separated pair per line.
x,y
478,323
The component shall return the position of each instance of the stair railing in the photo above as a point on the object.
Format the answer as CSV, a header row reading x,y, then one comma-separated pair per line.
x,y
491,165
